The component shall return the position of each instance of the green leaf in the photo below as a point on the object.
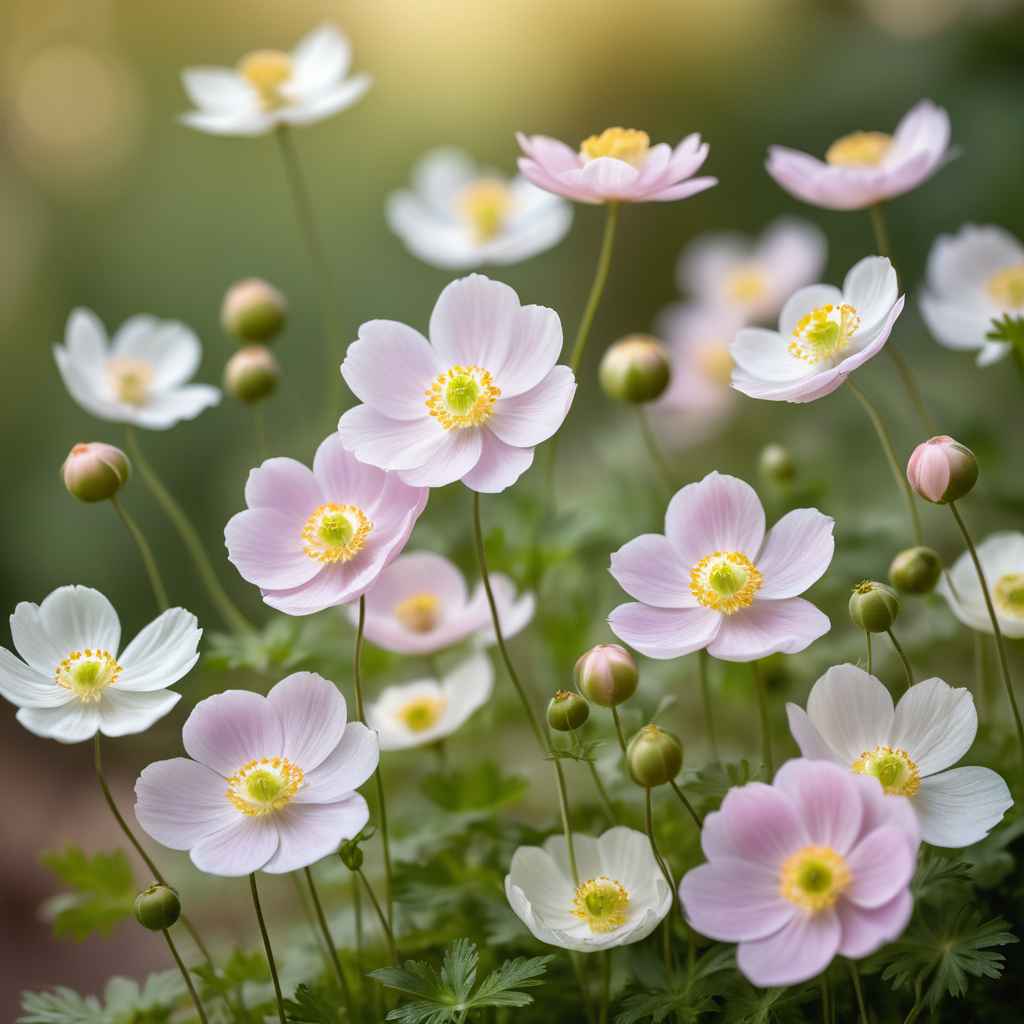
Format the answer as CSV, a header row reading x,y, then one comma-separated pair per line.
x,y
124,1002
103,892
62,1006
240,967
482,788
685,995
458,969
312,1006
499,987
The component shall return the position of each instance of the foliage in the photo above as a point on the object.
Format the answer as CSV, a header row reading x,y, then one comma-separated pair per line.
x,y
103,892
124,1002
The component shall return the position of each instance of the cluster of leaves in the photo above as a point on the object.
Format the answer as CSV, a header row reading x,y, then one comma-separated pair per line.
x,y
101,892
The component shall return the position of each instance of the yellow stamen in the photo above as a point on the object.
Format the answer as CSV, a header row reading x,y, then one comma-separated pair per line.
x,y
1007,287
419,613
422,713
625,144
266,71
130,380
603,903
463,396
1008,594
814,878
486,205
264,785
88,673
726,581
335,533
746,284
824,333
893,767
859,149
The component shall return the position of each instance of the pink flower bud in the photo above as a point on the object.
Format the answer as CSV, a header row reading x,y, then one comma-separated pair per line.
x,y
95,471
942,470
607,675
253,310
251,373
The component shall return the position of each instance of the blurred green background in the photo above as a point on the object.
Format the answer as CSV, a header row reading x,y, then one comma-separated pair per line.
x,y
106,201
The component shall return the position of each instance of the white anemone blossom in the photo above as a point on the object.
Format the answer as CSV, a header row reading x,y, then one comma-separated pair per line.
x,y
269,88
1002,561
71,682
139,377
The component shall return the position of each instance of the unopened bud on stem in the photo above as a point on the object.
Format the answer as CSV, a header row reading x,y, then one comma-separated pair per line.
x,y
874,606
253,310
251,373
915,570
654,757
567,711
157,907
607,675
635,369
942,470
94,471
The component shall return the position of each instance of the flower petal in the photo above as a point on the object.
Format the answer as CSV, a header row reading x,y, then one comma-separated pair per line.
x,y
474,322
797,552
309,832
960,807
851,710
882,864
769,627
26,687
285,486
227,730
178,802
719,513
530,418
75,618
756,823
454,459
648,568
267,548
220,91
807,737
321,58
312,712
72,722
170,348
865,930
731,900
805,301
665,632
499,467
345,769
827,801
388,443
239,849
935,723
123,712
162,653
797,952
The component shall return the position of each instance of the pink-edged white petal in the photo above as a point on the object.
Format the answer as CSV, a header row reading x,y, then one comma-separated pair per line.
x,y
312,712
665,633
309,832
500,465
267,548
285,486
960,807
457,454
719,513
649,569
162,653
800,950
474,323
756,823
530,418
796,553
241,848
388,443
827,801
226,731
344,770
787,626
179,802
851,710
807,737
881,864
734,900
935,723
805,301
864,931
342,478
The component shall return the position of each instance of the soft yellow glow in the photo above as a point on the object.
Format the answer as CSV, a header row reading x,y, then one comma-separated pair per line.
x,y
859,149
419,613
625,144
746,284
824,333
335,533
463,396
422,713
602,903
264,785
725,581
1008,594
814,878
486,205
893,767
130,380
1007,287
266,71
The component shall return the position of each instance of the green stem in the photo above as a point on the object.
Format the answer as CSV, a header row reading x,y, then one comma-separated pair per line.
x,y
225,606
259,420
606,985
663,469
918,1006
618,730
881,231
563,808
890,453
705,692
824,999
855,978
867,640
155,581
604,261
609,808
188,977
686,803
766,732
574,959
649,827
271,963
307,913
909,672
389,935
331,948
1004,662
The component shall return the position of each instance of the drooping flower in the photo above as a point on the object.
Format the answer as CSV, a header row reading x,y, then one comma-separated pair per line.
x,y
824,334
73,683
621,896
910,749
269,88
420,605
817,864
140,377
714,580
427,710
865,168
271,781
619,165
472,403
974,277
1002,560
752,277
460,216
314,539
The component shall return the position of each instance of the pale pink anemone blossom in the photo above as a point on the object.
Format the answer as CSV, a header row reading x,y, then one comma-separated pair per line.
x,y
420,604
315,539
470,404
714,581
619,165
865,168
825,333
752,276
817,864
271,781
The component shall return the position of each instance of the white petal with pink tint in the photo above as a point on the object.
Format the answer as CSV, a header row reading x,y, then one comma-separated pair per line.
x,y
526,420
787,626
797,552
226,731
720,513
649,569
500,465
664,632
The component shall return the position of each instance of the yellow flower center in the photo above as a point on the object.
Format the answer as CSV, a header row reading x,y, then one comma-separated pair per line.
x,y
422,713
266,71
624,144
893,768
88,673
603,903
463,396
335,533
486,204
824,333
1007,287
726,581
859,149
264,785
715,361
814,878
1008,594
419,613
130,380
746,284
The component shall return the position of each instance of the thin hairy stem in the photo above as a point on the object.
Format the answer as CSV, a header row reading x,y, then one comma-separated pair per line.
x,y
155,580
661,465
187,976
604,262
908,671
563,808
766,729
686,804
271,963
867,641
618,730
855,978
666,874
332,950
705,692
389,935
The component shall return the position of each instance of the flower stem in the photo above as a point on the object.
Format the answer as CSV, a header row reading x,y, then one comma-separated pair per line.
x,y
563,808
382,813
686,803
766,732
649,827
890,453
855,978
606,984
867,641
618,730
602,793
389,935
604,261
331,948
155,581
266,945
225,606
185,974
1004,662
574,959
664,470
903,657
705,692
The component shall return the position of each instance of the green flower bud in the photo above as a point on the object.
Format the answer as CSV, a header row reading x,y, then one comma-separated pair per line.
x,y
916,570
253,310
654,757
157,907
94,471
776,465
351,854
251,373
607,675
567,711
874,606
635,369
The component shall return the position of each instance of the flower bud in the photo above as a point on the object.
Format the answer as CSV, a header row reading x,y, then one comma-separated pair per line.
x,y
253,310
776,465
157,907
874,606
251,373
351,854
94,471
942,470
567,711
607,675
654,757
915,570
635,369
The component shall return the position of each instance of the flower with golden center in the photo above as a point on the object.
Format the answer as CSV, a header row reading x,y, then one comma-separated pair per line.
x,y
824,333
335,533
88,673
266,71
726,581
419,613
859,149
1008,594
893,767
264,785
130,380
462,396
602,903
626,144
814,878
486,204
1002,560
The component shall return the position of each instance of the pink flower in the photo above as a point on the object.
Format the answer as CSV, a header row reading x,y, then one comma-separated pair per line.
x,y
618,165
315,539
271,784
420,604
714,580
865,168
941,469
472,403
815,865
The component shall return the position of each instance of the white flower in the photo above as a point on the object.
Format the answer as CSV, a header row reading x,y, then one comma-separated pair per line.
x,y
621,898
850,720
140,377
459,216
73,682
1002,561
270,88
973,278
426,710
